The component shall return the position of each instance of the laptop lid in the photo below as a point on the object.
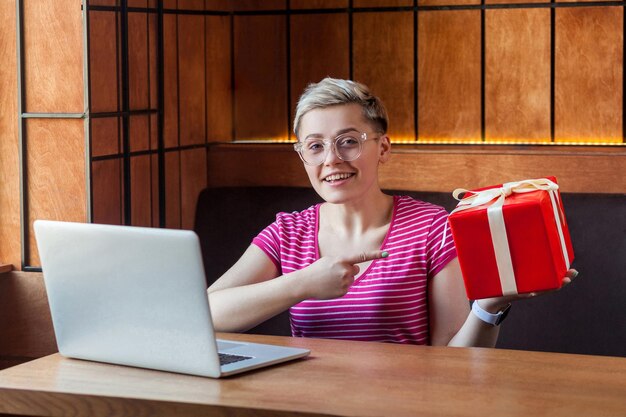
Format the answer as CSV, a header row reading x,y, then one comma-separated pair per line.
x,y
136,296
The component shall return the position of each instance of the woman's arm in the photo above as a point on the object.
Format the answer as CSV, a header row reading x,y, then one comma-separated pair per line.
x,y
249,293
252,291
451,321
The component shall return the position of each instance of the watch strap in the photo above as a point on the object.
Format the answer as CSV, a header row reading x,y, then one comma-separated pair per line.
x,y
490,318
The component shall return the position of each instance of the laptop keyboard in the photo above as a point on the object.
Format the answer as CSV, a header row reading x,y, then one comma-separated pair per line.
x,y
226,358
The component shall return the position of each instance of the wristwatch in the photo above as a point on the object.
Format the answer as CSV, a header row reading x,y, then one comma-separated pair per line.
x,y
491,318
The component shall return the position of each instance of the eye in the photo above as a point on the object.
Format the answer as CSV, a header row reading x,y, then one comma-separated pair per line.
x,y
314,146
347,141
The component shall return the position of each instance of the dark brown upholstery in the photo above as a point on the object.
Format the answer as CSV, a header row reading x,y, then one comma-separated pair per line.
x,y
585,317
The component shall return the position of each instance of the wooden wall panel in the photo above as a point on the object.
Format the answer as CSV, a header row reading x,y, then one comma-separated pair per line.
x,y
172,190
218,5
248,5
138,64
106,184
433,168
170,81
141,3
190,5
105,139
589,74
10,250
25,322
139,130
319,48
446,2
56,173
383,56
512,1
261,110
255,165
219,109
154,131
449,95
153,55
141,190
191,79
318,4
53,56
103,61
381,3
193,172
154,166
579,1
517,75
103,2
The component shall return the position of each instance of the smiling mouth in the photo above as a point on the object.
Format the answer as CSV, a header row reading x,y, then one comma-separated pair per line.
x,y
338,177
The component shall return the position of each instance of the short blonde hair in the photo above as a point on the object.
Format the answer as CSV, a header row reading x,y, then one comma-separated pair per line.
x,y
332,92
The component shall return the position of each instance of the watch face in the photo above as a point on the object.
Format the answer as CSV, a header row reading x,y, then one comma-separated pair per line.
x,y
502,314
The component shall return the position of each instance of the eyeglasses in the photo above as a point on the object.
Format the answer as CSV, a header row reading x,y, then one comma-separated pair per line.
x,y
347,147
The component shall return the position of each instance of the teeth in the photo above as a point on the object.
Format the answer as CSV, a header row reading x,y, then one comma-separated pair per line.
x,y
336,177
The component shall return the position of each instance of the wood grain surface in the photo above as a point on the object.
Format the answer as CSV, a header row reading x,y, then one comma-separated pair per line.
x,y
383,60
138,61
261,110
340,378
517,75
219,109
319,48
103,61
170,81
55,155
25,323
9,159
106,186
434,168
589,74
53,56
449,94
193,173
191,79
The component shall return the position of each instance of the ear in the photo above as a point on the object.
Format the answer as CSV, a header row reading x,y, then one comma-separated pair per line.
x,y
384,149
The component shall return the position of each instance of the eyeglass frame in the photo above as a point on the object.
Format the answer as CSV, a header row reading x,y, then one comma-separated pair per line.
x,y
331,144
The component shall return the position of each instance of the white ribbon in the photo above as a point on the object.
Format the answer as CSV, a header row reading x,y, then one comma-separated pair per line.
x,y
496,221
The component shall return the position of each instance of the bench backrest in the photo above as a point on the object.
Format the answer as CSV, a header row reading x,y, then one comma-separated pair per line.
x,y
586,317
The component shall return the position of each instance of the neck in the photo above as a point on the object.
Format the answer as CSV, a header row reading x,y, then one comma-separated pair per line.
x,y
357,217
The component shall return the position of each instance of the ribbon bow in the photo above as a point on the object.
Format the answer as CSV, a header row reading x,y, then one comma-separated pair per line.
x,y
478,198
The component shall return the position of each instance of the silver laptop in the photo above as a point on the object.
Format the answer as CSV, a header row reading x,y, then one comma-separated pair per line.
x,y
137,296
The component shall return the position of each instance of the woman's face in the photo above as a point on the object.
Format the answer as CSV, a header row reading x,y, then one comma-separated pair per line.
x,y
335,180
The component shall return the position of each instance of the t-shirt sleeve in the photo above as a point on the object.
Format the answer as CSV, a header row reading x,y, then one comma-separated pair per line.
x,y
440,247
269,242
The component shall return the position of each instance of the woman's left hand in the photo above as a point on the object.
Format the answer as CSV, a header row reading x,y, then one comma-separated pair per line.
x,y
495,304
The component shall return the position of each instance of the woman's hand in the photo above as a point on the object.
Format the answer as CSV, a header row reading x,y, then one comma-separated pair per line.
x,y
331,277
496,304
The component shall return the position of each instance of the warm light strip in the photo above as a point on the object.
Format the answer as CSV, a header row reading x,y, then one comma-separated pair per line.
x,y
503,142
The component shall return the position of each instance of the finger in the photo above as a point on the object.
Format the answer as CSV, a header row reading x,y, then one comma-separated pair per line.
x,y
366,256
571,274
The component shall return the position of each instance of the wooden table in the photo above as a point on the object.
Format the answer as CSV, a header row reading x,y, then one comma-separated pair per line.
x,y
339,378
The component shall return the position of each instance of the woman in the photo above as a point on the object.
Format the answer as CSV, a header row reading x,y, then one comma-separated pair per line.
x,y
363,265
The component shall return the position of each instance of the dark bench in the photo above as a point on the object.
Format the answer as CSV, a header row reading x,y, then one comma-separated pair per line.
x,y
586,317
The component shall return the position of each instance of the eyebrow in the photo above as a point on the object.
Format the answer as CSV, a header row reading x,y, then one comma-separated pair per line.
x,y
338,133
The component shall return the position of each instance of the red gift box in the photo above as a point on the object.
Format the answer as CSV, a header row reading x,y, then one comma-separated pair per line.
x,y
512,238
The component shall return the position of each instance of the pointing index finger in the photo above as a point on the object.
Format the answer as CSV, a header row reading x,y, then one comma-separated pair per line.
x,y
367,256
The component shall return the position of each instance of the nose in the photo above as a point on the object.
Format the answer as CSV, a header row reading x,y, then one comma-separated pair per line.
x,y
331,156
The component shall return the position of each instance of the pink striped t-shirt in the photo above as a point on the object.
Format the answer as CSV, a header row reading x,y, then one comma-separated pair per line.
x,y
388,302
